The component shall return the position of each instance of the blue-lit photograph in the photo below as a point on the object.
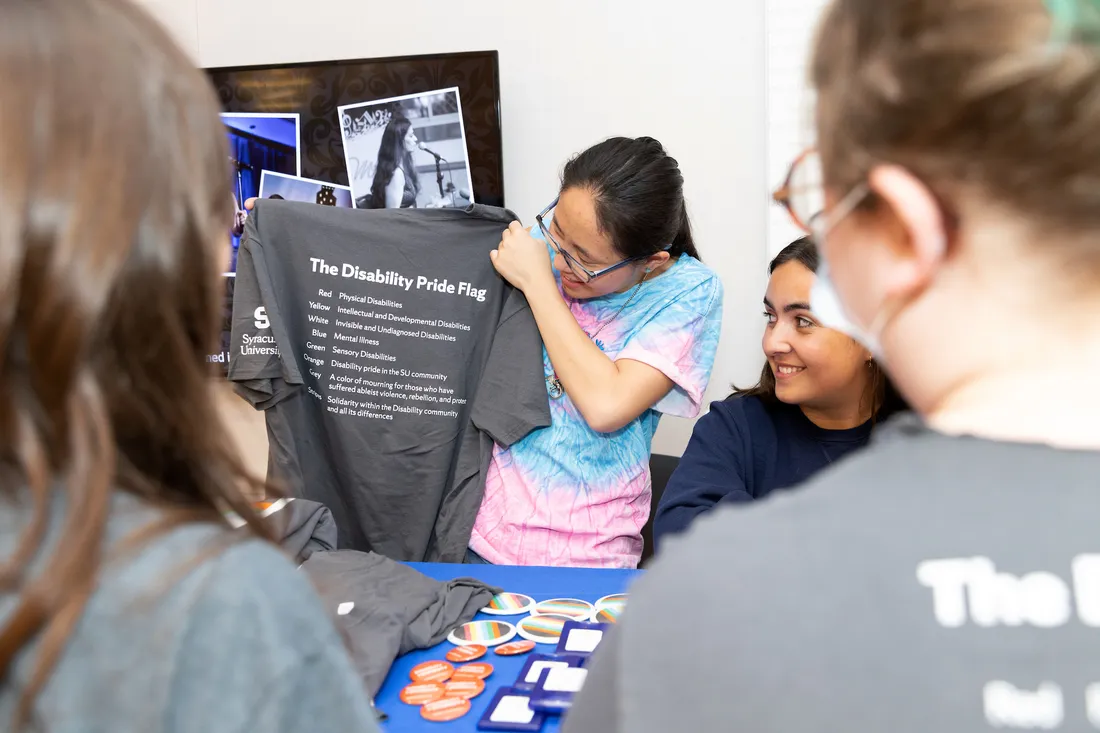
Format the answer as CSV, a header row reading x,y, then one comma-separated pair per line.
x,y
258,142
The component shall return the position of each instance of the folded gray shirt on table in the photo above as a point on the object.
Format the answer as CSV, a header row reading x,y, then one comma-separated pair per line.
x,y
386,609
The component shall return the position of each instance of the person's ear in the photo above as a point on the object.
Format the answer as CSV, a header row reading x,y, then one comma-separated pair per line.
x,y
865,356
656,260
922,246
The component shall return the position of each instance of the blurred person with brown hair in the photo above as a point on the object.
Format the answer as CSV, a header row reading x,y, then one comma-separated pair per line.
x,y
127,602
945,577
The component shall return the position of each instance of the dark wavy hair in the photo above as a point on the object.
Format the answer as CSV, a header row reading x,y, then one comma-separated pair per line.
x,y
639,194
881,393
392,155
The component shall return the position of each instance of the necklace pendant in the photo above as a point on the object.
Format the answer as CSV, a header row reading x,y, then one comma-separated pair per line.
x,y
553,386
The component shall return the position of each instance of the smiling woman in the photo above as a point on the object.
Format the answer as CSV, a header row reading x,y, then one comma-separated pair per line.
x,y
818,397
833,380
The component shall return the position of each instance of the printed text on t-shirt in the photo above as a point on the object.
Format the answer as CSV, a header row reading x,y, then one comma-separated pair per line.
x,y
397,280
971,589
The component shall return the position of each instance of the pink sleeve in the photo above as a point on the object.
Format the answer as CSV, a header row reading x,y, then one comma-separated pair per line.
x,y
681,342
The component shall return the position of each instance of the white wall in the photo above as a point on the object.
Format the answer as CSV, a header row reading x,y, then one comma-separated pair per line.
x,y
690,73
790,29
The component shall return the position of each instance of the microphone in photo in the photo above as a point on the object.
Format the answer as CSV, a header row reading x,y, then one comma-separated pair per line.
x,y
429,151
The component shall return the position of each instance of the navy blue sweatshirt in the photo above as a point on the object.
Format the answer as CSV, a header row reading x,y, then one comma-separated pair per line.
x,y
744,449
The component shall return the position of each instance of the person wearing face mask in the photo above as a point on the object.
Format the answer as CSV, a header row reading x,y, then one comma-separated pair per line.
x,y
945,577
817,400
630,320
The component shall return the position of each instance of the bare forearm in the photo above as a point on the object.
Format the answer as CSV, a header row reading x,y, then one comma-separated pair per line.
x,y
587,375
609,394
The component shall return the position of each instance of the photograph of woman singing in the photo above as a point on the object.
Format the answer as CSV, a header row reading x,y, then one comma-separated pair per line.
x,y
407,152
396,182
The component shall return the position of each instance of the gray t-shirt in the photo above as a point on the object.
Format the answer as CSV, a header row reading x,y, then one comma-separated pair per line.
x,y
927,583
182,636
386,608
388,355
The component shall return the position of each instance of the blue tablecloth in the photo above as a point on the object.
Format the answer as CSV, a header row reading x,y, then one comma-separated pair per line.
x,y
539,583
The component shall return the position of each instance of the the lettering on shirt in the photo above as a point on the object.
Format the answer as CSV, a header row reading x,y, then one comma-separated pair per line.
x,y
393,279
258,346
405,396
1007,706
972,590
362,333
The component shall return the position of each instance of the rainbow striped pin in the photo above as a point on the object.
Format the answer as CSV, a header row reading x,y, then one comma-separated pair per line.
x,y
488,633
542,629
616,599
608,615
609,608
509,604
572,607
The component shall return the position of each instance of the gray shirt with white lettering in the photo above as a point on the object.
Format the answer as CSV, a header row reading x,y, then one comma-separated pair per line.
x,y
928,583
388,356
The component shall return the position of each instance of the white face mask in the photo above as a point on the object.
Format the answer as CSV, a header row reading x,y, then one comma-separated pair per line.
x,y
826,306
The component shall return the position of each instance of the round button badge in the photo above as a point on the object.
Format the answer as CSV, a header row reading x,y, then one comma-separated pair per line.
x,y
445,710
431,672
419,693
466,653
544,629
465,689
514,648
509,604
571,607
483,633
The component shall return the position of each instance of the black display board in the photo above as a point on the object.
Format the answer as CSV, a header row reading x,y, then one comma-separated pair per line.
x,y
315,90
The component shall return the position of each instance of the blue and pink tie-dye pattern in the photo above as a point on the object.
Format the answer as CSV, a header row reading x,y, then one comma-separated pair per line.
x,y
568,495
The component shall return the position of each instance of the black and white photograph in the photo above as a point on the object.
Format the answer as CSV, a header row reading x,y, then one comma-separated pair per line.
x,y
407,151
295,188
258,142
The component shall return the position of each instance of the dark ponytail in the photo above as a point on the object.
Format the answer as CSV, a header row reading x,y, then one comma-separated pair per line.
x,y
639,194
683,243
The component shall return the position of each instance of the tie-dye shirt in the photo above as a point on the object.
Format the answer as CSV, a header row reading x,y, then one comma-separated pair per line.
x,y
567,495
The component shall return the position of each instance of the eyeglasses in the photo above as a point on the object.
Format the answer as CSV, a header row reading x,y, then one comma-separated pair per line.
x,y
803,196
580,271
802,193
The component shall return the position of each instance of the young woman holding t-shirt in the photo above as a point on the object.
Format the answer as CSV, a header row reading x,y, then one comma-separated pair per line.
x,y
818,398
630,319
